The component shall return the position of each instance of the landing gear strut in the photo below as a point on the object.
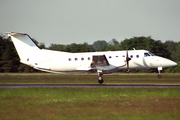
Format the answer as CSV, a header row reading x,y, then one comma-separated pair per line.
x,y
159,70
100,78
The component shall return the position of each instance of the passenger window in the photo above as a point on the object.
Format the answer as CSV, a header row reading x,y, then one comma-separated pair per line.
x,y
82,58
110,57
117,56
76,59
69,59
89,58
137,56
131,56
123,56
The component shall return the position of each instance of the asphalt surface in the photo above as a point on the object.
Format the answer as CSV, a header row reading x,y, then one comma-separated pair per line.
x,y
17,86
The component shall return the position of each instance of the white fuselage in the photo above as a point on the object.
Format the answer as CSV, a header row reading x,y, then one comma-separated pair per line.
x,y
54,61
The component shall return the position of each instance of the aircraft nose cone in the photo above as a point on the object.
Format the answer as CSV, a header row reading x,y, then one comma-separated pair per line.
x,y
163,62
173,63
170,63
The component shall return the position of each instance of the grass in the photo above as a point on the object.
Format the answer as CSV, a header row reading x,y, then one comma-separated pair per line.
x,y
89,103
88,79
94,103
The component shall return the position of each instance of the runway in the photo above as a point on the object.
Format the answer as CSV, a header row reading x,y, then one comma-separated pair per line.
x,y
17,86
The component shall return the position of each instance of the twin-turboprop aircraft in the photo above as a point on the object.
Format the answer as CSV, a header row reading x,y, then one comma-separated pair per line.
x,y
92,62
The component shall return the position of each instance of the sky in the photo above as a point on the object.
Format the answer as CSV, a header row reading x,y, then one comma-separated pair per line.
x,y
79,21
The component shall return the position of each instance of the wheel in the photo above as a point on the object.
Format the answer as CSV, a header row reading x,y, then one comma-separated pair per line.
x,y
100,79
159,76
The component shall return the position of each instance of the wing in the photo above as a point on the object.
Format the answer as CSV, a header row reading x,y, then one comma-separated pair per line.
x,y
100,60
101,64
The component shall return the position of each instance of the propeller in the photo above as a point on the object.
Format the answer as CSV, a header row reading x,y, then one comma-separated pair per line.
x,y
127,61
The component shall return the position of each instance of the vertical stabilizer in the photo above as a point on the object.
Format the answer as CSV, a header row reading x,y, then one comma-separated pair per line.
x,y
25,46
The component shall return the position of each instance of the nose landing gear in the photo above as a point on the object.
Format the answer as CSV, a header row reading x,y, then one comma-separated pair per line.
x,y
159,70
100,78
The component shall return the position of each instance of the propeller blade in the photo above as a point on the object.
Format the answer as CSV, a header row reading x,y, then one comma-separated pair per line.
x,y
127,61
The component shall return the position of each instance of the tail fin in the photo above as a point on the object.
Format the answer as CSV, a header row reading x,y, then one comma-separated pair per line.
x,y
24,45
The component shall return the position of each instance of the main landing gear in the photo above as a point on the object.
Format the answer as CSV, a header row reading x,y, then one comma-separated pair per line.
x,y
100,78
159,70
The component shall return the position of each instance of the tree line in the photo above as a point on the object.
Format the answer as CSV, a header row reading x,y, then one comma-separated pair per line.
x,y
9,60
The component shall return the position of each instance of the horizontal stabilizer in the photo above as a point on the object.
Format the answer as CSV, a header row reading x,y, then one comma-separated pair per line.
x,y
23,37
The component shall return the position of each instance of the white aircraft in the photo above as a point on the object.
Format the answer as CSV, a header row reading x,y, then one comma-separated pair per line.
x,y
92,62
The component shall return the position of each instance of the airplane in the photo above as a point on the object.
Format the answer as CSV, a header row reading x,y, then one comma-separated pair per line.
x,y
91,62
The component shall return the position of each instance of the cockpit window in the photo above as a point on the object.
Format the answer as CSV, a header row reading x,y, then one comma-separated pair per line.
x,y
146,54
151,54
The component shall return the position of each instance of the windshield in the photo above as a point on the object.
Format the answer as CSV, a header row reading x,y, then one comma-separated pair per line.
x,y
148,54
151,54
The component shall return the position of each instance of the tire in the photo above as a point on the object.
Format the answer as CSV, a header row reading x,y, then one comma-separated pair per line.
x,y
159,76
100,79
